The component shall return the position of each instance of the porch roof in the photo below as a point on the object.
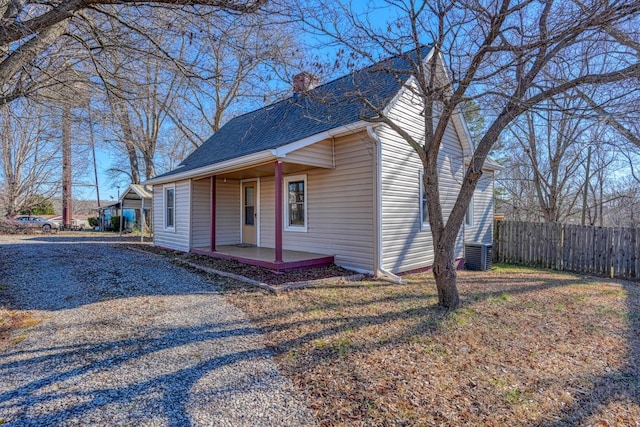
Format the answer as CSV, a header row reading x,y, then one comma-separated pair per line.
x,y
136,196
140,191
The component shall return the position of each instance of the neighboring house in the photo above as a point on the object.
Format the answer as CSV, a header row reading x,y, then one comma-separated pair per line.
x,y
105,213
306,180
137,197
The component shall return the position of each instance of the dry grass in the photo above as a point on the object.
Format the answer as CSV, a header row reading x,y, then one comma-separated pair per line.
x,y
528,347
13,323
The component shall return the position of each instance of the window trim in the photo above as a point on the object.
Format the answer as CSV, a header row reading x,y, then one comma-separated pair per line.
x,y
421,194
285,205
164,207
468,215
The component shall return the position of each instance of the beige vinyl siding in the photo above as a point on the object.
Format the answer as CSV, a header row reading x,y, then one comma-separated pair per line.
x,y
340,207
201,213
482,228
320,155
178,238
406,244
227,212
267,212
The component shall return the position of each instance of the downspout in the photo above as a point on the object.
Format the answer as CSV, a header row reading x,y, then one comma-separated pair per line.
x,y
380,271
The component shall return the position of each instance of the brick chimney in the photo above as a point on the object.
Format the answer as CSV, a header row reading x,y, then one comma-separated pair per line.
x,y
304,82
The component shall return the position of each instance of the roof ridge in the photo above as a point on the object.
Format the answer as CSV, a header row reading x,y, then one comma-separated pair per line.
x,y
291,97
281,122
396,56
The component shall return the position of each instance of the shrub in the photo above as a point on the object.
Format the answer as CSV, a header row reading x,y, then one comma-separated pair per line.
x,y
115,223
93,222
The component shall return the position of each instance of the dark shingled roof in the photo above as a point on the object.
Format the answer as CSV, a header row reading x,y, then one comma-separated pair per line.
x,y
329,106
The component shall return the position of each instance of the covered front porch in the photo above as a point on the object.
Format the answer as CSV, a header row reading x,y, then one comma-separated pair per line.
x,y
265,257
258,215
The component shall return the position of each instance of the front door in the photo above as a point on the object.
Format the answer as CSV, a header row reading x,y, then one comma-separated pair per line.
x,y
249,213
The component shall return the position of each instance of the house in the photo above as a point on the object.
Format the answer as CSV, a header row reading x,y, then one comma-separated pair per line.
x,y
306,181
105,213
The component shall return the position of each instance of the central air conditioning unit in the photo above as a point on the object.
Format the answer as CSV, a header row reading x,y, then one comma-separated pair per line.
x,y
478,256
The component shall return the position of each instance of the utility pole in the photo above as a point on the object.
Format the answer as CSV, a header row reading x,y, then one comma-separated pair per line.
x,y
95,166
66,167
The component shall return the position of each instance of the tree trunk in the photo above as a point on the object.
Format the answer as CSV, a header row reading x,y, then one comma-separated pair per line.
x,y
585,188
133,162
445,274
149,164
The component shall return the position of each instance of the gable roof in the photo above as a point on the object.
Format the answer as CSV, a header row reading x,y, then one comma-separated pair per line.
x,y
328,106
141,192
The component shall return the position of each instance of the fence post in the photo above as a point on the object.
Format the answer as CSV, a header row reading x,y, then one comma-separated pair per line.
x,y
496,242
560,231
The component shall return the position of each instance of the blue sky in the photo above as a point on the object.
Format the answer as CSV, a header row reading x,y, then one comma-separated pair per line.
x,y
108,186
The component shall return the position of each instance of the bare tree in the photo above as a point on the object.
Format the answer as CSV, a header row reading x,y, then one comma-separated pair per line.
x,y
30,157
230,65
140,90
547,144
238,64
31,32
601,180
623,209
509,56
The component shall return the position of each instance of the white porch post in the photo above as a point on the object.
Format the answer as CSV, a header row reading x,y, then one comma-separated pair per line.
x,y
142,221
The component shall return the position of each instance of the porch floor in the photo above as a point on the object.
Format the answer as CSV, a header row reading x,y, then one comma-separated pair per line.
x,y
264,257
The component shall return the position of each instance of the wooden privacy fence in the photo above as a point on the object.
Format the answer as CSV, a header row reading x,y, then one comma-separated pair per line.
x,y
602,251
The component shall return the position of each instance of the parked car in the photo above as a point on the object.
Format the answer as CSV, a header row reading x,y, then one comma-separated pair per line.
x,y
36,222
76,223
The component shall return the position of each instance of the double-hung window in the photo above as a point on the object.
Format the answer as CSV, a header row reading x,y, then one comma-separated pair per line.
x,y
424,209
468,218
169,206
295,203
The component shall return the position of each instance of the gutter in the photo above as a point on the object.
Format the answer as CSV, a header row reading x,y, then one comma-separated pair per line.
x,y
229,165
259,157
378,268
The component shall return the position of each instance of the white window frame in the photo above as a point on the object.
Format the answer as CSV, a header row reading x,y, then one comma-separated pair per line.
x,y
468,216
287,226
164,207
423,225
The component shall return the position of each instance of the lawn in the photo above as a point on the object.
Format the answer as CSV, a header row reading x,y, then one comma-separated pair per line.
x,y
527,347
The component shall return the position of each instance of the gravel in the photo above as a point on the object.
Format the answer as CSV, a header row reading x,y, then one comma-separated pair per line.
x,y
127,338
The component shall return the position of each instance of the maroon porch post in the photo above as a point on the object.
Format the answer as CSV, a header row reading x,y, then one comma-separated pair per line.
x,y
278,211
213,214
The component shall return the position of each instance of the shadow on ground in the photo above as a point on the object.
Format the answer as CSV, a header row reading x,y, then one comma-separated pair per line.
x,y
165,362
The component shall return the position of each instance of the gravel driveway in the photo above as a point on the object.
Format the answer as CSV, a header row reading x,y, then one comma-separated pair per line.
x,y
126,338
